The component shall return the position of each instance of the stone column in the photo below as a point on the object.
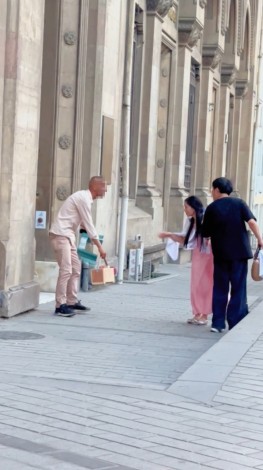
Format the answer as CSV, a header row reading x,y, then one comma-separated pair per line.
x,y
233,170
94,78
178,193
181,117
228,76
147,195
64,167
245,141
220,165
21,28
190,32
203,162
58,173
234,163
206,128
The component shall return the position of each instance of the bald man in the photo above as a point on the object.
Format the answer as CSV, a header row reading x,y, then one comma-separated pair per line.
x,y
74,212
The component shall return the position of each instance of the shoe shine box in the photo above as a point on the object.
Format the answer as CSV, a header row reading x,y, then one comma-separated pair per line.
x,y
102,275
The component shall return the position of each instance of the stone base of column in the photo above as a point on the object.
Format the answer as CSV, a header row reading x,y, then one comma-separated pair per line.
x,y
176,209
184,257
235,193
148,199
204,195
47,275
19,299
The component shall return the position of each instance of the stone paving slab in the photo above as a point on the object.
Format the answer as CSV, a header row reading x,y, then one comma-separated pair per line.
x,y
135,335
242,346
98,391
184,435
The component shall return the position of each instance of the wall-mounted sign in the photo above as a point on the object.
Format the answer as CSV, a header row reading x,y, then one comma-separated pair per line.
x,y
40,220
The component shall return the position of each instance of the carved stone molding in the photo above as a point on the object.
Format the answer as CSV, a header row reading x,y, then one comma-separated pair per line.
x,y
160,163
241,88
240,31
202,3
62,193
190,31
224,17
163,103
159,6
212,56
67,91
172,14
70,38
64,142
228,74
161,133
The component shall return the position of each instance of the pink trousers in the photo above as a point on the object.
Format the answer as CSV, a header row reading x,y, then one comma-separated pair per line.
x,y
202,282
69,269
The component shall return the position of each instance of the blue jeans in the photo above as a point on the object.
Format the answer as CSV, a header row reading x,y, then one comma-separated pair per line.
x,y
233,275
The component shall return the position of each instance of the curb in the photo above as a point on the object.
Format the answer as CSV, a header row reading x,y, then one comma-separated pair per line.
x,y
207,375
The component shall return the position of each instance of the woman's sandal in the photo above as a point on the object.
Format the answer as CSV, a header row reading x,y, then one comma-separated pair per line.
x,y
202,320
198,320
193,320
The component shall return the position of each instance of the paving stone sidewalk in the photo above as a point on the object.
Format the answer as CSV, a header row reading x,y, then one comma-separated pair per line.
x,y
130,385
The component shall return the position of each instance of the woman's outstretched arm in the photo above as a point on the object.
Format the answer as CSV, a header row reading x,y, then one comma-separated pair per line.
x,y
173,236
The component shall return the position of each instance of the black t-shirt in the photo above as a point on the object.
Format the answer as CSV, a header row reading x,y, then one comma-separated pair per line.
x,y
224,221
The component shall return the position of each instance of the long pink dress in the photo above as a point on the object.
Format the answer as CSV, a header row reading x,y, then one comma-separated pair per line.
x,y
201,281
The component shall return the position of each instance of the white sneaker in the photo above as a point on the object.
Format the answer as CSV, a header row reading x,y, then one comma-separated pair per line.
x,y
217,330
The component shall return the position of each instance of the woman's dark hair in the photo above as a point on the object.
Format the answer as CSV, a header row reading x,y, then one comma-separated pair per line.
x,y
223,185
197,205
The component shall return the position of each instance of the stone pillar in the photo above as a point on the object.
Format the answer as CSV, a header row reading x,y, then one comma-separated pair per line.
x,y
178,193
190,31
220,165
204,154
21,28
228,76
207,128
246,139
93,99
47,134
181,117
234,162
57,169
147,195
65,104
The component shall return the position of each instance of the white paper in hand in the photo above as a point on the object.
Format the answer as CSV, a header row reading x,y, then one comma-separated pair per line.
x,y
172,249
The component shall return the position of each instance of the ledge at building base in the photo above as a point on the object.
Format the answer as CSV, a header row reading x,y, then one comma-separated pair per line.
x,y
46,275
19,299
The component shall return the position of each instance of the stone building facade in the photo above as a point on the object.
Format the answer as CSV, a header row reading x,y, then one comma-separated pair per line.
x,y
75,75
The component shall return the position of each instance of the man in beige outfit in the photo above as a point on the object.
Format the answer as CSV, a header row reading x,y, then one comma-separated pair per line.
x,y
75,212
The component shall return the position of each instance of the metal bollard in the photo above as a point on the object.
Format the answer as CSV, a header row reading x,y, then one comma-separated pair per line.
x,y
85,277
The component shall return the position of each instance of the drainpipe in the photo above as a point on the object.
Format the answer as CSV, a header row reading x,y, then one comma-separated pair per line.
x,y
126,118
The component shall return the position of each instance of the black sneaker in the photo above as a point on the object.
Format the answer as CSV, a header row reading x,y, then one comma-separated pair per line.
x,y
78,306
64,311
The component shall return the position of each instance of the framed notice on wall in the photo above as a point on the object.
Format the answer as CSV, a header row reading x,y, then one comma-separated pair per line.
x,y
107,148
40,219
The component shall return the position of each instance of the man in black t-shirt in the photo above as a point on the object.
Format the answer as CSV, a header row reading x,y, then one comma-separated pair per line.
x,y
224,222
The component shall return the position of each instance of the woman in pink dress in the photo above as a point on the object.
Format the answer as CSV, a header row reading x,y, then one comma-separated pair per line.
x,y
202,260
